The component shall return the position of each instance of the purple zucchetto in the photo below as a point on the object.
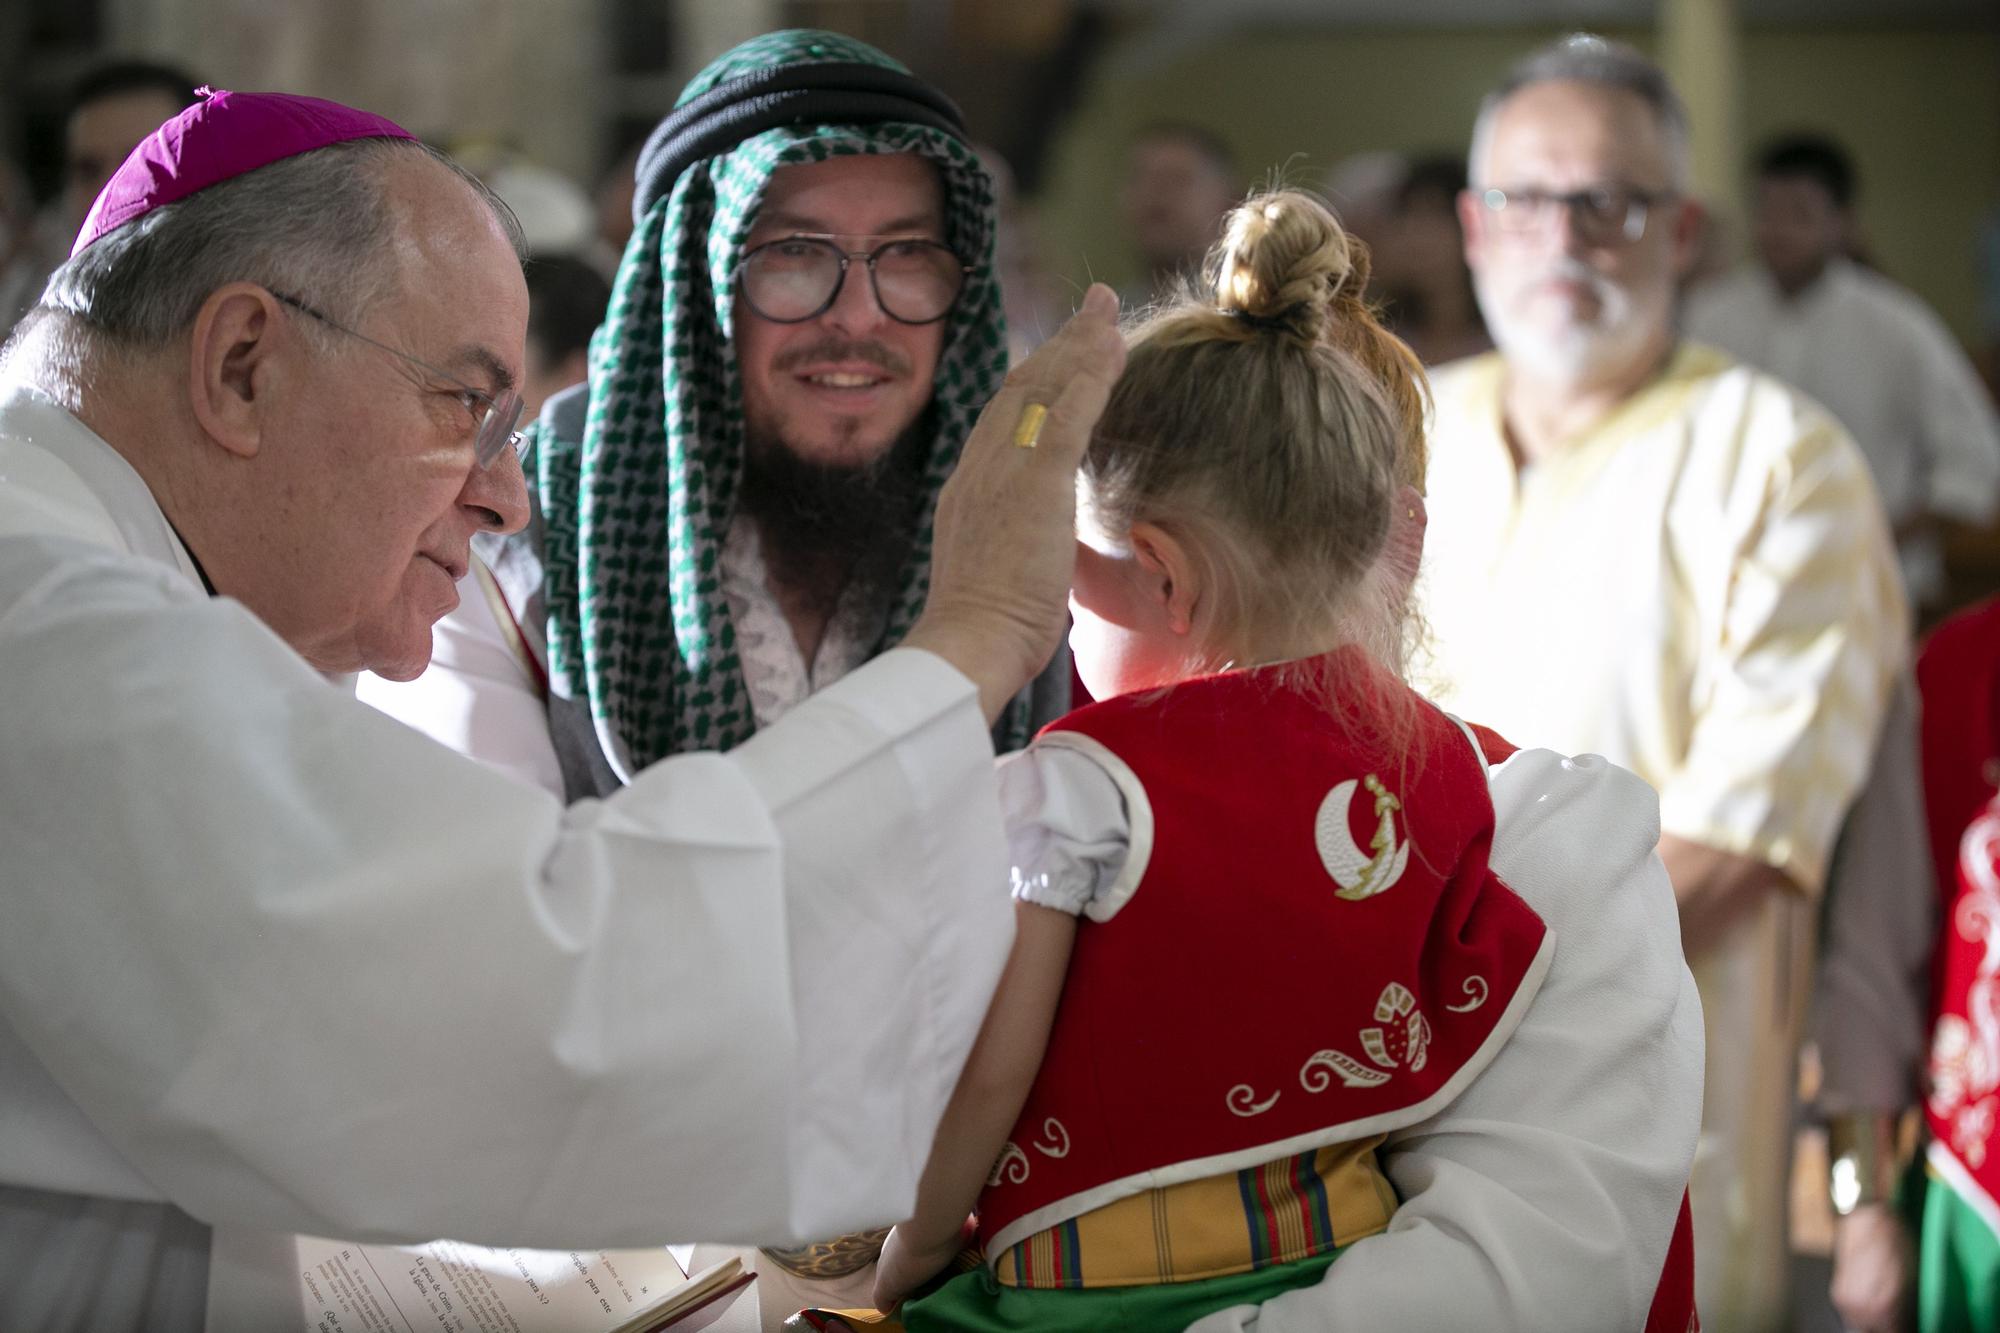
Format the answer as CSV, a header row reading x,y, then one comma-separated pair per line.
x,y
219,138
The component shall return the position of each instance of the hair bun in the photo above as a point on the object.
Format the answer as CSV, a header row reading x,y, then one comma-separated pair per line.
x,y
1285,263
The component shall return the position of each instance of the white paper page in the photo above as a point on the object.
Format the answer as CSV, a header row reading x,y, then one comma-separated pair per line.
x,y
280,1283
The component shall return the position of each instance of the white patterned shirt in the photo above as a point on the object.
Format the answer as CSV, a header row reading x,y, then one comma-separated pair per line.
x,y
775,670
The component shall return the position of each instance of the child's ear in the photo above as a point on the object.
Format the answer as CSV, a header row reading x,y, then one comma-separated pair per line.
x,y
1173,579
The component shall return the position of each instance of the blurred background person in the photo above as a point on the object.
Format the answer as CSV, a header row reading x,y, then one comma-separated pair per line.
x,y
1363,190
111,107
1866,348
1030,296
612,195
1715,249
1180,181
1868,1024
1640,549
1807,310
566,302
1425,286
557,215
21,265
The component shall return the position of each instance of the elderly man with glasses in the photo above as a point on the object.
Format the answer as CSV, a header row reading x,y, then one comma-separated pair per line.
x,y
1642,549
274,962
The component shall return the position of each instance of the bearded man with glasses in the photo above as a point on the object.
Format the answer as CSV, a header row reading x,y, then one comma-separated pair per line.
x,y
1641,549
735,511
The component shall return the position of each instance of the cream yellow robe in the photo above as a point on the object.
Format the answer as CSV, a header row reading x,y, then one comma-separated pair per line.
x,y
1701,588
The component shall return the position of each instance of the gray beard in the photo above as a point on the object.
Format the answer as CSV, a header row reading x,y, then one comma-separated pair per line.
x,y
828,528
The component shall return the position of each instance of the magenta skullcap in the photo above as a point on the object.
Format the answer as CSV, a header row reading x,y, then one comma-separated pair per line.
x,y
219,138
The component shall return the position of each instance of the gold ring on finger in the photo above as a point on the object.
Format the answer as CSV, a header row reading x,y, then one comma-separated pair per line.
x,y
1028,430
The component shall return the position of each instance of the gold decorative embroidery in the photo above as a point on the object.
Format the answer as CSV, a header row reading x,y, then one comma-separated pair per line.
x,y
839,1257
1360,876
1412,1046
1313,1076
1407,1048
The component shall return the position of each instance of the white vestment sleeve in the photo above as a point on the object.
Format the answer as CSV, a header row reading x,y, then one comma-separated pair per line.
x,y
305,970
1544,1196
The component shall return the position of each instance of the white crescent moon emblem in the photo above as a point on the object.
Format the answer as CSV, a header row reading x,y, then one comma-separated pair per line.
x,y
1358,874
1337,850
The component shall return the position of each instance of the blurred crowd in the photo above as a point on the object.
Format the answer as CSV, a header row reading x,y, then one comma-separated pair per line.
x,y
1806,233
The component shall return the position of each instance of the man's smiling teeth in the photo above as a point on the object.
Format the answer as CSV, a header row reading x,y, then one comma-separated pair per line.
x,y
840,381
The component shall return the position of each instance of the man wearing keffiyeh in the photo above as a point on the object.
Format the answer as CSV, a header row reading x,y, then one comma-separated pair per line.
x,y
736,510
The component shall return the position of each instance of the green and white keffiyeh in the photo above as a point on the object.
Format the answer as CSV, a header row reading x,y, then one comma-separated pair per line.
x,y
635,512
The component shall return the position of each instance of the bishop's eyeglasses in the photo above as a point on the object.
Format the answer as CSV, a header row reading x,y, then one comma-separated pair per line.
x,y
497,417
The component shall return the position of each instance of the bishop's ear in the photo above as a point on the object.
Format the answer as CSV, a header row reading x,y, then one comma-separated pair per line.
x,y
233,364
1172,580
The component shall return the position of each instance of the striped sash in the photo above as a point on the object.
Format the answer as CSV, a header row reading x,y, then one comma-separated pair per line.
x,y
1276,1213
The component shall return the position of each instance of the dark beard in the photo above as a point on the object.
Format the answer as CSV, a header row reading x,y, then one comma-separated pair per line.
x,y
828,527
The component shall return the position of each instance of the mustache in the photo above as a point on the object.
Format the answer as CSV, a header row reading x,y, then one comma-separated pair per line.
x,y
843,349
1568,268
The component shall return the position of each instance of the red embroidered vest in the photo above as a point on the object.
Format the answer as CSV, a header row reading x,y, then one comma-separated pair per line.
x,y
1316,950
1959,676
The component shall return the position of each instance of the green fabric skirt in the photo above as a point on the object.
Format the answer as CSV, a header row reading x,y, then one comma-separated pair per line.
x,y
978,1303
1958,1265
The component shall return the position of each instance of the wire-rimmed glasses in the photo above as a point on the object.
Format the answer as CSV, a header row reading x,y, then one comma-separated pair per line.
x,y
498,418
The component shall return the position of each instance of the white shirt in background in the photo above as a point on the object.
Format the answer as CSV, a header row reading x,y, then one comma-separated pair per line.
x,y
1888,369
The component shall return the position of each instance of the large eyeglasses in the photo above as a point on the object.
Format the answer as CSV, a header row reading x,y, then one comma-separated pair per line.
x,y
1602,215
497,418
798,278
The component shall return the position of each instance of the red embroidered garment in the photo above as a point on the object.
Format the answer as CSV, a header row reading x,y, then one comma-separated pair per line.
x,y
1958,675
1316,950
1673,1309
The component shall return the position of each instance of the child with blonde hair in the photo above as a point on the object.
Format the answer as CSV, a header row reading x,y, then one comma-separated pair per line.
x,y
1292,941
